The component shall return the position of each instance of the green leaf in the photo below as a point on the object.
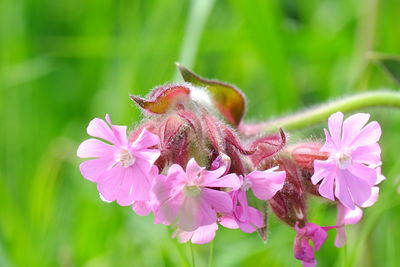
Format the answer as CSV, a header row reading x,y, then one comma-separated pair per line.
x,y
389,63
229,100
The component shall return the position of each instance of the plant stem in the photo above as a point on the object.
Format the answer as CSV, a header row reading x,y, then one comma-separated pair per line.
x,y
318,114
192,254
211,256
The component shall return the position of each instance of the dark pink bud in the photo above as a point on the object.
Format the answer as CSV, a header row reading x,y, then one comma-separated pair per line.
x,y
221,160
289,203
213,133
268,146
174,141
149,126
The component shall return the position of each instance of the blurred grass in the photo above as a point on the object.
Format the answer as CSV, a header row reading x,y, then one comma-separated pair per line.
x,y
65,62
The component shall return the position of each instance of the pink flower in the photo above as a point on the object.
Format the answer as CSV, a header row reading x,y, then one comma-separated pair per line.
x,y
264,185
202,235
247,218
193,197
302,248
120,169
350,172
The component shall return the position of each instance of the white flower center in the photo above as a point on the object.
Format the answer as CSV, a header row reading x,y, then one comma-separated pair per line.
x,y
192,190
125,158
246,184
343,160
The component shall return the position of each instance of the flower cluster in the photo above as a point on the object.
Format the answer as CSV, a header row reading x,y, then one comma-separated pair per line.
x,y
194,199
196,166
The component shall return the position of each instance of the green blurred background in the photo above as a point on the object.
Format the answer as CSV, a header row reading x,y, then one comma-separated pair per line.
x,y
64,62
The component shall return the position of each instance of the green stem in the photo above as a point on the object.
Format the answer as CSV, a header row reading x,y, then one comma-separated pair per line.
x,y
211,256
192,254
321,113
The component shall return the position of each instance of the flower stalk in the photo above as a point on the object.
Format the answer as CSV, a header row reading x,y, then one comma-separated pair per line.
x,y
319,114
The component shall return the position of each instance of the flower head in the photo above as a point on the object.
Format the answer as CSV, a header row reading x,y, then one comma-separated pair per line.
x,y
191,198
120,168
302,248
350,172
264,185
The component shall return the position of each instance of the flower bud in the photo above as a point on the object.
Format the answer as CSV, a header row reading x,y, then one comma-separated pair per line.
x,y
289,203
305,154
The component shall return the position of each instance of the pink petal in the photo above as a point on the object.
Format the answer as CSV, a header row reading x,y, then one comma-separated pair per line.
x,y
322,170
125,193
162,189
367,154
368,136
329,145
380,176
309,264
362,172
142,208
265,184
183,236
228,181
195,213
335,127
345,216
254,221
214,174
193,170
352,126
109,183
93,148
341,237
148,155
342,193
359,189
242,211
94,168
119,131
204,234
168,210
124,185
99,128
175,172
145,140
218,200
373,198
302,248
229,221
135,185
318,237
326,187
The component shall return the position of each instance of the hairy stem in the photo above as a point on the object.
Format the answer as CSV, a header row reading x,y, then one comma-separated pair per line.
x,y
321,113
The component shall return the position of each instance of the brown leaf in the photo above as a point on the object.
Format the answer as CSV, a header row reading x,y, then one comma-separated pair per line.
x,y
229,100
163,98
